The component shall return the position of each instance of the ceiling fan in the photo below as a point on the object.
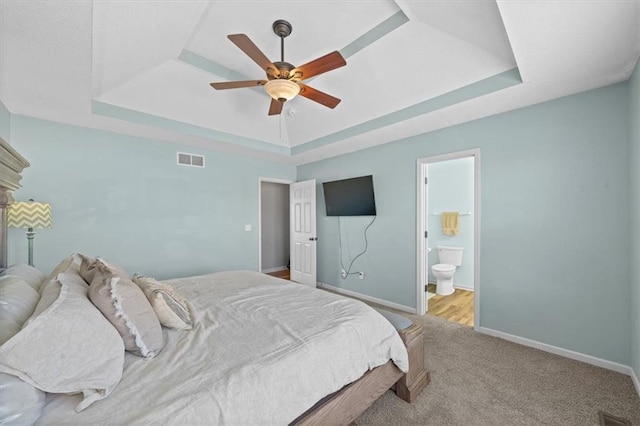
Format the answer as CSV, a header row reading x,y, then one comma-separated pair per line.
x,y
283,79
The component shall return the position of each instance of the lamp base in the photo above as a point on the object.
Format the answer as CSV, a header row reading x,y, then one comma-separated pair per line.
x,y
30,236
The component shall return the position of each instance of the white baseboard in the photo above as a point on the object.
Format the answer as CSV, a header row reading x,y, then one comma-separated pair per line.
x,y
357,295
461,287
276,269
636,382
599,362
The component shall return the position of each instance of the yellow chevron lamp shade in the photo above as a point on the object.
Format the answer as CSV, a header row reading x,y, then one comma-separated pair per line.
x,y
29,214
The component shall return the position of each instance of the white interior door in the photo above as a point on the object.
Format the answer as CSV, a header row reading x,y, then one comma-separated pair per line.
x,y
302,201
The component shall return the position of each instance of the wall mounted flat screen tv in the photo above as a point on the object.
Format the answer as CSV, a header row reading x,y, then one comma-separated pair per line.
x,y
350,197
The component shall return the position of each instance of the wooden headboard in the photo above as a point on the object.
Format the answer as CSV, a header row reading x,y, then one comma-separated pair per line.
x,y
11,166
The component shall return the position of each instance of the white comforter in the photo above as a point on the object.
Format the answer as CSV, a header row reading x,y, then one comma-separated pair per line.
x,y
262,351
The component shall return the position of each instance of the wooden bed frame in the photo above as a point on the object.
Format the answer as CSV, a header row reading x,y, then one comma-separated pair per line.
x,y
339,408
346,405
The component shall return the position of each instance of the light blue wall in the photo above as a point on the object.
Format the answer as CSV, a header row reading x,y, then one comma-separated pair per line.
x,y
555,198
451,189
555,262
5,123
634,114
125,199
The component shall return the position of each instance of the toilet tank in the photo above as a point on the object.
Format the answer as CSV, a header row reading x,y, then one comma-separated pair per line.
x,y
450,255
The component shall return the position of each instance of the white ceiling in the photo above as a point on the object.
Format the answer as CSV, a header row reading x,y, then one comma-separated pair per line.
x,y
144,67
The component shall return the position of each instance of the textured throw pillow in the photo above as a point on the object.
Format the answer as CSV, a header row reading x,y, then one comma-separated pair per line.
x,y
127,308
27,273
69,348
169,306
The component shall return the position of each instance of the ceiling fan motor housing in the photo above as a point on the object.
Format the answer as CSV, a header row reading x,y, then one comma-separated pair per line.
x,y
283,70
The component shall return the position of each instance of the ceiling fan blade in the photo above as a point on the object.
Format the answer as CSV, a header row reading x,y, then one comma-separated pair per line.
x,y
318,66
237,84
276,107
247,46
318,96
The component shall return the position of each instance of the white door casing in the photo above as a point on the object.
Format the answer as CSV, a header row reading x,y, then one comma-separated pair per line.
x,y
421,227
302,202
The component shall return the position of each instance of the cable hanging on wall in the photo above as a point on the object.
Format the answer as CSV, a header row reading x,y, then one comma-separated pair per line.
x,y
366,246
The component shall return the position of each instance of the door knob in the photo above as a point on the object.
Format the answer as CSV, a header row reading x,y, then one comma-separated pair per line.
x,y
313,239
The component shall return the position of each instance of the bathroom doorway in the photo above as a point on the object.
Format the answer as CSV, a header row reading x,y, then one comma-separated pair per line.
x,y
273,226
449,183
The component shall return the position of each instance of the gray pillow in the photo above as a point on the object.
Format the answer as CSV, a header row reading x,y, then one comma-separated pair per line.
x,y
126,307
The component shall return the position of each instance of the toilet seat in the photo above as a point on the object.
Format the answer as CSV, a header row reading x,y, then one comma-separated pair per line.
x,y
443,267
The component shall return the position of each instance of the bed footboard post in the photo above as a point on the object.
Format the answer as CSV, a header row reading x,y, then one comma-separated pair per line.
x,y
412,383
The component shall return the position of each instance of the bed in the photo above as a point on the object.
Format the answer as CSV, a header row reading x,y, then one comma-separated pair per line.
x,y
261,351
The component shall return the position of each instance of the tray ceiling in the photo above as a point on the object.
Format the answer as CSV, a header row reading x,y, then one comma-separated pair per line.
x,y
144,67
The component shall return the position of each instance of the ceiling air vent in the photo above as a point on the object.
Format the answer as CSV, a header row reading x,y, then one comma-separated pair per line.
x,y
193,160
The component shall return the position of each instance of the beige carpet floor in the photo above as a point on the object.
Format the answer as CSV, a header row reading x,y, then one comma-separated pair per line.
x,y
482,380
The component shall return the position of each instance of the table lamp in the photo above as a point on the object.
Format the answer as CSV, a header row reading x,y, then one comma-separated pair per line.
x,y
29,215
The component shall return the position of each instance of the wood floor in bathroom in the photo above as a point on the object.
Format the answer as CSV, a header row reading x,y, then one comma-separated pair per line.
x,y
457,307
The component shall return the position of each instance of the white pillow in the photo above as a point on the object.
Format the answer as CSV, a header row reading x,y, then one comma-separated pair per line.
x,y
17,301
50,289
69,348
20,403
29,274
169,306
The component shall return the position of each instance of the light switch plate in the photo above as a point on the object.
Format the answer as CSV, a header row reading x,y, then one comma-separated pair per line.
x,y
247,227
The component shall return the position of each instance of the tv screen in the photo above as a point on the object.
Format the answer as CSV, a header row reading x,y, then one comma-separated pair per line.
x,y
350,197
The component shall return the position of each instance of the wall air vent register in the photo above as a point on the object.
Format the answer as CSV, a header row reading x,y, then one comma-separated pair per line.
x,y
193,160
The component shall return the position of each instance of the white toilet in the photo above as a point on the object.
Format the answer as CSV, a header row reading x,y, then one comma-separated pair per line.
x,y
450,258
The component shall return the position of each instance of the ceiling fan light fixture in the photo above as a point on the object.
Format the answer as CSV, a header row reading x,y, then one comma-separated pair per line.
x,y
282,89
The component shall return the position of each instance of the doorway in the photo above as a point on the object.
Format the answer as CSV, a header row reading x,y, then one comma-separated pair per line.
x,y
273,225
449,183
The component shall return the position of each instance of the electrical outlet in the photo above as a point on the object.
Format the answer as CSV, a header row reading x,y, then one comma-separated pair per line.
x,y
361,275
343,274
